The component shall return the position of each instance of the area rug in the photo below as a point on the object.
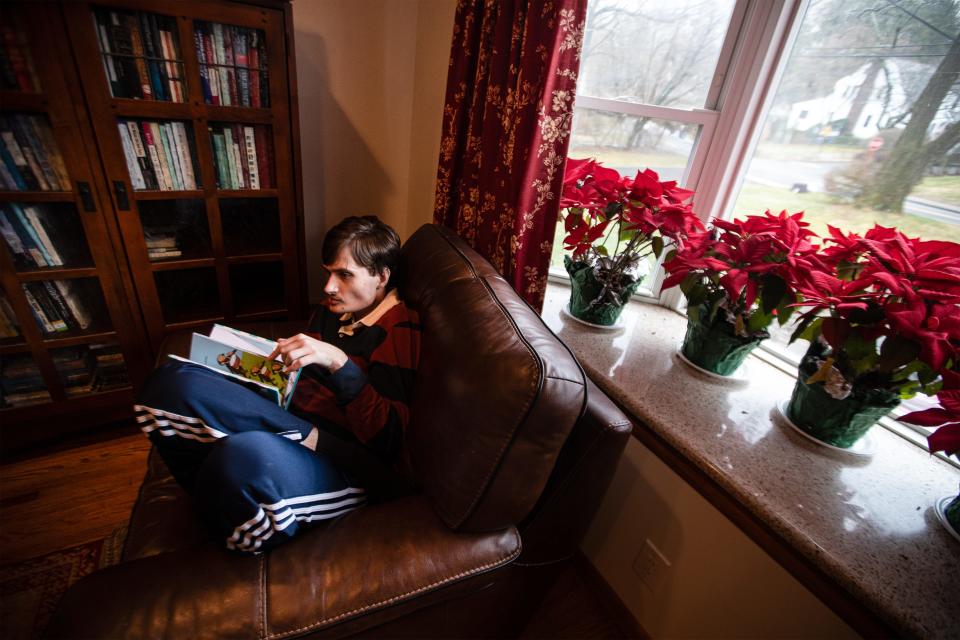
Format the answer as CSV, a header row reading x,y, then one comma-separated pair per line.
x,y
30,590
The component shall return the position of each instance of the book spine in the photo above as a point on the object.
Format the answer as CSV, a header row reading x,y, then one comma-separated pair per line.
x,y
45,134
183,144
136,41
133,167
181,155
26,231
201,59
157,144
213,75
125,63
253,57
74,303
241,59
48,312
228,61
38,312
140,154
251,149
231,158
36,223
241,156
154,156
16,179
31,127
153,72
264,156
29,152
172,158
220,156
221,70
169,61
11,328
10,236
31,254
17,155
152,35
60,305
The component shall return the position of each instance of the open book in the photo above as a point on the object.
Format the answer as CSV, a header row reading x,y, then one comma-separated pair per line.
x,y
242,357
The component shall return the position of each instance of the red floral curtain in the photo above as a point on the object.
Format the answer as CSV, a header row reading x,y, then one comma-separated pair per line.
x,y
506,126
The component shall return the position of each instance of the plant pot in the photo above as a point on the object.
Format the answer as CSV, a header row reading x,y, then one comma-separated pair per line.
x,y
716,346
837,422
952,513
589,302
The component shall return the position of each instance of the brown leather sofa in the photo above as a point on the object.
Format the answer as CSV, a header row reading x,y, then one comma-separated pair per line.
x,y
511,447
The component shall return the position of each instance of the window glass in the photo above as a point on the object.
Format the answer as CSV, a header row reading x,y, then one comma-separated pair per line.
x,y
864,129
644,51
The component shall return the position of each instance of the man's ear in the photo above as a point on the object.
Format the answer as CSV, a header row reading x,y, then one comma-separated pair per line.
x,y
384,278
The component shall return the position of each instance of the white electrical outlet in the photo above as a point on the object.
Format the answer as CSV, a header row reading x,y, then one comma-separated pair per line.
x,y
650,565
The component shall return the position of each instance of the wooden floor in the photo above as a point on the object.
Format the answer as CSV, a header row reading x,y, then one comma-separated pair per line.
x,y
79,495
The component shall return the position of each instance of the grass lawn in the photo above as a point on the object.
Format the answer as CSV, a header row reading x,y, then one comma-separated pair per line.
x,y
807,152
944,189
623,158
820,210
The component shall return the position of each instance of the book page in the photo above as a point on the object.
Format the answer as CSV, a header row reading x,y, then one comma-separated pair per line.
x,y
242,340
252,366
265,390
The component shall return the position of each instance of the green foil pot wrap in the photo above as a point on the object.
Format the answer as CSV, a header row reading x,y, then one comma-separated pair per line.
x,y
715,346
585,290
952,512
837,422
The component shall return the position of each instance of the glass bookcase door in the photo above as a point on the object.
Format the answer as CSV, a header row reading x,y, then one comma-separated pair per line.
x,y
250,226
160,154
42,235
175,229
68,307
141,54
32,160
188,295
90,368
242,155
257,287
21,383
233,64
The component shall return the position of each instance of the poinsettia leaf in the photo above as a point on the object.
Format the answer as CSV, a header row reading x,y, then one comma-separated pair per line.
x,y
926,374
785,311
689,283
860,352
835,332
602,250
657,245
670,255
807,328
895,352
758,321
772,290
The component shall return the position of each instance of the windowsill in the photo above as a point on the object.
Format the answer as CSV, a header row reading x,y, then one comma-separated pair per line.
x,y
867,524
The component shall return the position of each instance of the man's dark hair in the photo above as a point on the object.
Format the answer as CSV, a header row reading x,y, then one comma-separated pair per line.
x,y
373,244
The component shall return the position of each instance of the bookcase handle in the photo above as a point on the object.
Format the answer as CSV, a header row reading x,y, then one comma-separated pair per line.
x,y
120,189
86,197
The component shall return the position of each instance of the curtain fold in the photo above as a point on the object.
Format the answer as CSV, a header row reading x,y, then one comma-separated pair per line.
x,y
506,128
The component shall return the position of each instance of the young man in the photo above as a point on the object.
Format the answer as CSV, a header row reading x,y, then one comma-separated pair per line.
x,y
258,473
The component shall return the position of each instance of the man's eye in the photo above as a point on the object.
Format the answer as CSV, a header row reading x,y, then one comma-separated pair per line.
x,y
345,275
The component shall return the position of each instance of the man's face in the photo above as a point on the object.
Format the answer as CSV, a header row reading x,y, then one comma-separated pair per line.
x,y
351,288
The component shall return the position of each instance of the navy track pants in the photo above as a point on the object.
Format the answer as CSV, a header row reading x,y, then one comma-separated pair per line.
x,y
238,455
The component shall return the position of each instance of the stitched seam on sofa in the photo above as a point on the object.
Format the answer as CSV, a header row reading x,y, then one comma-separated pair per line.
x,y
529,404
262,597
395,599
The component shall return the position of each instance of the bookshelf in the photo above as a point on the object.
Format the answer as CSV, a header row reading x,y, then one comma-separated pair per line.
x,y
158,191
70,343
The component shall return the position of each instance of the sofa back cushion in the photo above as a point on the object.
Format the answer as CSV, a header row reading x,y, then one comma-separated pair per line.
x,y
496,395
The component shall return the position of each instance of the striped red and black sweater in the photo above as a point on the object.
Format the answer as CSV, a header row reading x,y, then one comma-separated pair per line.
x,y
370,395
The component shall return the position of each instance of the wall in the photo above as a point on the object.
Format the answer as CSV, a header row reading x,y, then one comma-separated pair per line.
x,y
371,76
719,582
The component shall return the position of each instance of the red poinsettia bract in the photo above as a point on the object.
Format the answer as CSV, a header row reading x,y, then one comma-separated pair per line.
x,y
947,416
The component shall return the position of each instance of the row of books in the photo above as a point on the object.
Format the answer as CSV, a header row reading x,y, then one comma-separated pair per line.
x,y
9,327
141,53
242,156
26,230
159,155
17,72
21,382
233,63
57,305
83,369
31,159
92,368
162,244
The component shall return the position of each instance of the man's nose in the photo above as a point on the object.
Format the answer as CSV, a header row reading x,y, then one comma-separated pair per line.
x,y
331,286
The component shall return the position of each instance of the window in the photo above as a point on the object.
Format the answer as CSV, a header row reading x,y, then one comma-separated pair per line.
x,y
650,82
744,101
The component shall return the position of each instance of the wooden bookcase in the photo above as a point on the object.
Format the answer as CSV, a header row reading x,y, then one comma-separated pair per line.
x,y
152,240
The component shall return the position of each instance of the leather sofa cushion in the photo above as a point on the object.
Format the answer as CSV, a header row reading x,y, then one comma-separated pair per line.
x,y
496,395
349,573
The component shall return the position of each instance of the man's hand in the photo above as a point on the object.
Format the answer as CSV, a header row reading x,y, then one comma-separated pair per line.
x,y
300,350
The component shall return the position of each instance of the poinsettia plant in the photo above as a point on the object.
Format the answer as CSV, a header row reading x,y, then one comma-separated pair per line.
x,y
638,216
883,310
740,270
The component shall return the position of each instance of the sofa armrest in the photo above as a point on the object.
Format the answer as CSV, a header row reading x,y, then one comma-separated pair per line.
x,y
340,578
